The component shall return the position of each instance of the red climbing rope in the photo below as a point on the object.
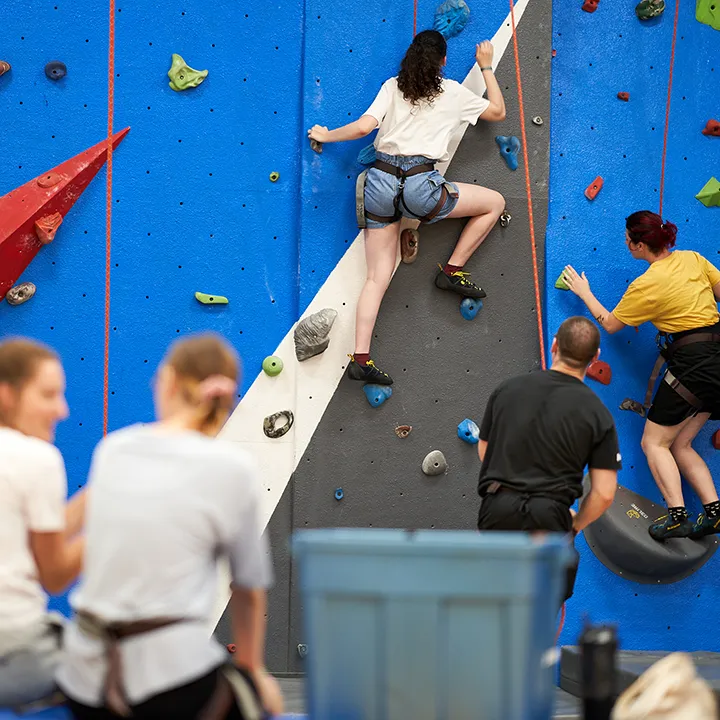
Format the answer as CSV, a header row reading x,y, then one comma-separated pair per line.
x,y
667,105
528,189
108,208
415,4
561,624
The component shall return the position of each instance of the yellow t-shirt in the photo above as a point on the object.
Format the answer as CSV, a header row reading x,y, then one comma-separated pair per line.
x,y
674,294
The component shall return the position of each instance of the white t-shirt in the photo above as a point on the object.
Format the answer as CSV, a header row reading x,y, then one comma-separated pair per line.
x,y
33,490
426,128
164,506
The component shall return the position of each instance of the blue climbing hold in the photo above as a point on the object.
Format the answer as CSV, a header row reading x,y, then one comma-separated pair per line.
x,y
339,494
377,394
470,307
509,147
367,155
469,432
451,18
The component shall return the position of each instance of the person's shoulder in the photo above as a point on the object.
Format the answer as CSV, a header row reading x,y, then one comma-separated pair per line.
x,y
591,404
35,450
121,438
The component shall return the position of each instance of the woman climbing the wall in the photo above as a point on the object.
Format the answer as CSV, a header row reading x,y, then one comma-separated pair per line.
x,y
39,531
678,294
416,114
169,500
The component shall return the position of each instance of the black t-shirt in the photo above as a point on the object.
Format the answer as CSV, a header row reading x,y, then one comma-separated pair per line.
x,y
542,430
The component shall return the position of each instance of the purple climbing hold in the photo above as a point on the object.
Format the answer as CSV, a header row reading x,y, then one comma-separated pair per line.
x,y
451,18
377,394
367,155
55,70
470,307
509,147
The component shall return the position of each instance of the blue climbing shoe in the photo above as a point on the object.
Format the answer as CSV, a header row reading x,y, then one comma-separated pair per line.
x,y
368,373
665,528
704,526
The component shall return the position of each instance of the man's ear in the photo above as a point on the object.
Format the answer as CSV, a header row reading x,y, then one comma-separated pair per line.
x,y
554,346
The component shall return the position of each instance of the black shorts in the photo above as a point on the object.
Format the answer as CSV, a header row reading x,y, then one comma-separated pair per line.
x,y
511,510
697,367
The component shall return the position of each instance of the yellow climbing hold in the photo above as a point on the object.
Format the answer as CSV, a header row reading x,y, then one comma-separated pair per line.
x,y
274,176
207,299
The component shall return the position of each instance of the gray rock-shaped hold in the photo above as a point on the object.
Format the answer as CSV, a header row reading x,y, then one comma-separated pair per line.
x,y
312,335
20,293
434,463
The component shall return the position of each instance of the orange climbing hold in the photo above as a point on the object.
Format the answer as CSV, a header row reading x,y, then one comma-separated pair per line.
x,y
625,96
594,188
600,371
46,227
712,128
716,440
590,6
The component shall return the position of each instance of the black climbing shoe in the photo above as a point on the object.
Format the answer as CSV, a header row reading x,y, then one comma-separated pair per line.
x,y
704,526
460,283
665,528
368,373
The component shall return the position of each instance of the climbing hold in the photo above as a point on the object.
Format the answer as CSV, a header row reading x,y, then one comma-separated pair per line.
x,y
47,226
316,146
38,199
590,6
339,494
20,293
648,9
409,245
55,70
272,429
302,650
274,176
633,406
560,283
708,13
312,334
377,394
554,53
182,76
505,219
710,194
469,432
625,96
451,17
470,307
509,146
207,299
600,371
434,463
4,67
712,128
537,120
402,431
594,188
231,648
272,365
367,155
716,440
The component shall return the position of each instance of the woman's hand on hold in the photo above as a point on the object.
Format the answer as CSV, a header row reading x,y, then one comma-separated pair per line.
x,y
484,54
319,133
269,691
579,284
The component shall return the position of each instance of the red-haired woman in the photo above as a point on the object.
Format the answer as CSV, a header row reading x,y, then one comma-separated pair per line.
x,y
678,294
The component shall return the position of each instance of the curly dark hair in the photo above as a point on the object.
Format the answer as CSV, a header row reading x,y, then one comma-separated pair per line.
x,y
420,76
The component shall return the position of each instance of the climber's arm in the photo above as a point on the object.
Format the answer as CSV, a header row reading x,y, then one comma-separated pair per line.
x,y
352,131
580,285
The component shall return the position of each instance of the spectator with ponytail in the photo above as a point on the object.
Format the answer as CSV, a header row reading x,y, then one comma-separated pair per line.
x,y
169,500
678,294
416,114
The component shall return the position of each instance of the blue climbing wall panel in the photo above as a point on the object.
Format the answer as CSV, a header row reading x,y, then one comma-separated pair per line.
x,y
594,133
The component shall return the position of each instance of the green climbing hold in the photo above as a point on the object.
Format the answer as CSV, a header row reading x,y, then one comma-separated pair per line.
x,y
182,76
272,365
648,9
560,283
709,196
708,13
274,176
207,299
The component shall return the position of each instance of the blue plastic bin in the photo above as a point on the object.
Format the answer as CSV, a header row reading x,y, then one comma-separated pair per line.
x,y
54,713
431,625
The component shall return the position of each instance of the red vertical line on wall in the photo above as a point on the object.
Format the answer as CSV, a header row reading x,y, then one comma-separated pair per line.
x,y
108,208
667,106
528,189
415,4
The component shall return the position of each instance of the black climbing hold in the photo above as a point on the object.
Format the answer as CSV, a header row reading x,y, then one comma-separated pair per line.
x,y
271,428
302,650
620,540
312,335
434,463
633,406
20,293
339,494
316,146
505,219
55,70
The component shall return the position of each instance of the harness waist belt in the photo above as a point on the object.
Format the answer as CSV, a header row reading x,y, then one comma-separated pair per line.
x,y
399,172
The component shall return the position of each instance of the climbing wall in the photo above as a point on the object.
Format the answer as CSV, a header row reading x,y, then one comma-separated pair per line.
x,y
594,133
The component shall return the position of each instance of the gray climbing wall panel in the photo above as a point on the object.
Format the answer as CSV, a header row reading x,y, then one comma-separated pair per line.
x,y
444,367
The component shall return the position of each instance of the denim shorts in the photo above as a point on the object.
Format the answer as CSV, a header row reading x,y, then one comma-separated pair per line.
x,y
421,194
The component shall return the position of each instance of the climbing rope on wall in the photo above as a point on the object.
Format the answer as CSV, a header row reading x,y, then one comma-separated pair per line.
x,y
415,6
528,189
667,105
108,208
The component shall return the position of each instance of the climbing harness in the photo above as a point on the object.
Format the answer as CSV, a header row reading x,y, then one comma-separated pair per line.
x,y
402,175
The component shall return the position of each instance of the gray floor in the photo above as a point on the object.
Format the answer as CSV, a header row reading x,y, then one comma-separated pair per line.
x,y
566,706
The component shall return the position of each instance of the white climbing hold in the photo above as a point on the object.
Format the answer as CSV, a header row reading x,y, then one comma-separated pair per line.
x,y
434,463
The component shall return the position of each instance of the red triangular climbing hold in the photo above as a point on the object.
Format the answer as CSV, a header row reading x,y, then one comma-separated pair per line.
x,y
716,440
600,371
31,214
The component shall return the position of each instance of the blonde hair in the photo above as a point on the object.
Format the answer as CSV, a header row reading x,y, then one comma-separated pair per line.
x,y
207,372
